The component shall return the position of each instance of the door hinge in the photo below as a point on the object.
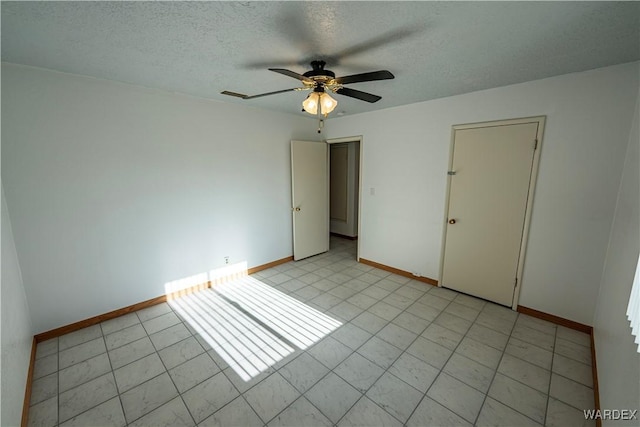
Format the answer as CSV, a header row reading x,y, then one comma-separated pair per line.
x,y
451,172
515,284
535,144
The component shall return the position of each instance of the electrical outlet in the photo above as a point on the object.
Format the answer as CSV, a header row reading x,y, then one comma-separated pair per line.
x,y
226,259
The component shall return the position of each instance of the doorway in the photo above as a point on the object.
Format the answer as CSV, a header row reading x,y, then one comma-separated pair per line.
x,y
310,192
344,193
491,181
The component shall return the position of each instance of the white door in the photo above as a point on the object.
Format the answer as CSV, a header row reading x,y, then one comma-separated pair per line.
x,y
488,195
310,198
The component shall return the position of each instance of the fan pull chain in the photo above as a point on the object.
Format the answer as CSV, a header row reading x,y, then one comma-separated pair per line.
x,y
320,125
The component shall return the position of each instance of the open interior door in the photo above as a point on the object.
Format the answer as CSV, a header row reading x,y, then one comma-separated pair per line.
x,y
310,198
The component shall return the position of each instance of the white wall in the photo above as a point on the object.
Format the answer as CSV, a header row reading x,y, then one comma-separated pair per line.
x,y
616,353
116,189
16,331
406,154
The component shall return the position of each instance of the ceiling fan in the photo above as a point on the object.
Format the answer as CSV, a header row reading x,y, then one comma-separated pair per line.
x,y
322,81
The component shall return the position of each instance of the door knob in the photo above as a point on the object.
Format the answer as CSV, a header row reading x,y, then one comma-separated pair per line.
x,y
297,209
452,221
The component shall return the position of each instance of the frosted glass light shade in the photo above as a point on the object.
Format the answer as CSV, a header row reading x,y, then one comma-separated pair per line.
x,y
310,104
327,104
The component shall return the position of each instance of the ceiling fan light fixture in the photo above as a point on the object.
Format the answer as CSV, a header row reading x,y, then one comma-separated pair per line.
x,y
322,99
320,81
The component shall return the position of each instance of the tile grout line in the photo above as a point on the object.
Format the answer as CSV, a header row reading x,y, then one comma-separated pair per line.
x,y
495,373
332,370
85,382
443,365
396,359
546,408
364,394
113,374
166,371
520,382
551,372
112,371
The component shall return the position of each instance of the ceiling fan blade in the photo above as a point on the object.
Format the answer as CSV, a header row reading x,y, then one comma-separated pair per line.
x,y
262,64
358,94
376,42
291,74
273,93
365,77
243,96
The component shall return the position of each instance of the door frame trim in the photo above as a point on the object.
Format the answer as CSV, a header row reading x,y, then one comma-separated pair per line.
x,y
359,139
531,192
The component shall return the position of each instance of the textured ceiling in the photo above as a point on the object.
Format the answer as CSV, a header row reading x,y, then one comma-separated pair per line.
x,y
435,49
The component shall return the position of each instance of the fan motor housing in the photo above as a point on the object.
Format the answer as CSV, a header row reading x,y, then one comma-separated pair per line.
x,y
318,72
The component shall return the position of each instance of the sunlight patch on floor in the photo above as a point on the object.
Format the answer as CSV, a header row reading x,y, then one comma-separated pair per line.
x,y
249,324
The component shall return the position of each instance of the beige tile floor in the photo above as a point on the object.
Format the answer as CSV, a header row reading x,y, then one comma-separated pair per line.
x,y
404,353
